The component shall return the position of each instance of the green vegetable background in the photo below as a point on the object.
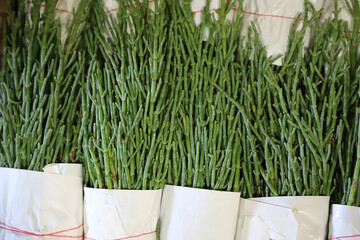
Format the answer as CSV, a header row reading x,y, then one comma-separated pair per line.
x,y
144,100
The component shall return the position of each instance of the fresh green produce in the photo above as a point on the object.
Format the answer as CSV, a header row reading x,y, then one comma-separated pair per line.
x,y
222,117
207,150
39,85
350,164
291,113
302,118
152,99
126,98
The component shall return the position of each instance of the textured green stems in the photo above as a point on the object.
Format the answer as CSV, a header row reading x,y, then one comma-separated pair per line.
x,y
40,102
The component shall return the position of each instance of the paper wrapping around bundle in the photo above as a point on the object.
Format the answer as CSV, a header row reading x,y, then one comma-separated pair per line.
x,y
46,203
344,222
193,214
197,8
344,13
111,8
273,21
121,214
64,12
283,218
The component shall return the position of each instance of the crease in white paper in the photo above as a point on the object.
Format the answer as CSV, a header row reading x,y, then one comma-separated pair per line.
x,y
74,170
267,221
256,228
114,214
41,203
344,221
193,214
294,218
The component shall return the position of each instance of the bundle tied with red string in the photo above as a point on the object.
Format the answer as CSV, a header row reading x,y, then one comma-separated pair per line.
x,y
41,205
344,222
121,119
40,191
273,21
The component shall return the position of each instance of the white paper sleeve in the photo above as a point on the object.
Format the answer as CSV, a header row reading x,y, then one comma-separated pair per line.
x,y
344,222
41,205
273,21
64,11
111,8
283,218
197,9
194,214
266,221
121,214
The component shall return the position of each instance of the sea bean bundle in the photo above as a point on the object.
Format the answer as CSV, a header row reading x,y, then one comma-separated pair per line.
x,y
126,105
39,87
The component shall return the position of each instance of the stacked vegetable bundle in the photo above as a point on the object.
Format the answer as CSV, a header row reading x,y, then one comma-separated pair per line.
x,y
298,124
126,105
153,97
43,64
301,116
151,84
39,87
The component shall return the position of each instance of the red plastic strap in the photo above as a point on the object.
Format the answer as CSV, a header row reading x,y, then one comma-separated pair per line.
x,y
54,234
124,238
344,237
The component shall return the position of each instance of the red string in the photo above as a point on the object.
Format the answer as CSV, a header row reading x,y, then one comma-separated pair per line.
x,y
54,234
124,238
56,9
127,6
63,10
199,11
269,15
112,10
352,32
352,236
252,13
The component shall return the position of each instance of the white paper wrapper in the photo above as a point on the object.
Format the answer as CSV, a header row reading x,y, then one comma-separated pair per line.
x,y
344,12
344,222
273,21
41,205
283,218
111,8
64,11
197,8
196,214
121,214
